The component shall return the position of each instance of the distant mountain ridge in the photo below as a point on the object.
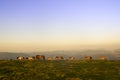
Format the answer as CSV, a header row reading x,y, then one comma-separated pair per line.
x,y
66,54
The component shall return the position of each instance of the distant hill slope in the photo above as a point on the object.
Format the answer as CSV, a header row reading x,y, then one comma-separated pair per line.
x,y
9,55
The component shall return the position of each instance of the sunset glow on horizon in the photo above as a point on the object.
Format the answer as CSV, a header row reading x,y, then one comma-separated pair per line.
x,y
45,25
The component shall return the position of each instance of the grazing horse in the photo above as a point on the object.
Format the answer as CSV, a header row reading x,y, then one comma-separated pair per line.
x,y
40,57
20,58
102,58
49,58
88,58
72,58
59,58
29,58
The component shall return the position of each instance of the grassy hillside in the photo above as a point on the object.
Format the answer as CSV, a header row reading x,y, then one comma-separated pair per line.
x,y
59,70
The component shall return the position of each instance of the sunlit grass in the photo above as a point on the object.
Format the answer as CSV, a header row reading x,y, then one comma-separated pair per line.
x,y
59,70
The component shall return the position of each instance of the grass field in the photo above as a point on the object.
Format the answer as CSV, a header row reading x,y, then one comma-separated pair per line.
x,y
59,70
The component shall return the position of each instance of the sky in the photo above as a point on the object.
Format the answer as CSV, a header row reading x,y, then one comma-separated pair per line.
x,y
44,25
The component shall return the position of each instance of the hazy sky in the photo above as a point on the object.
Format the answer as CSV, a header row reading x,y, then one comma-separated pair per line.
x,y
41,25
